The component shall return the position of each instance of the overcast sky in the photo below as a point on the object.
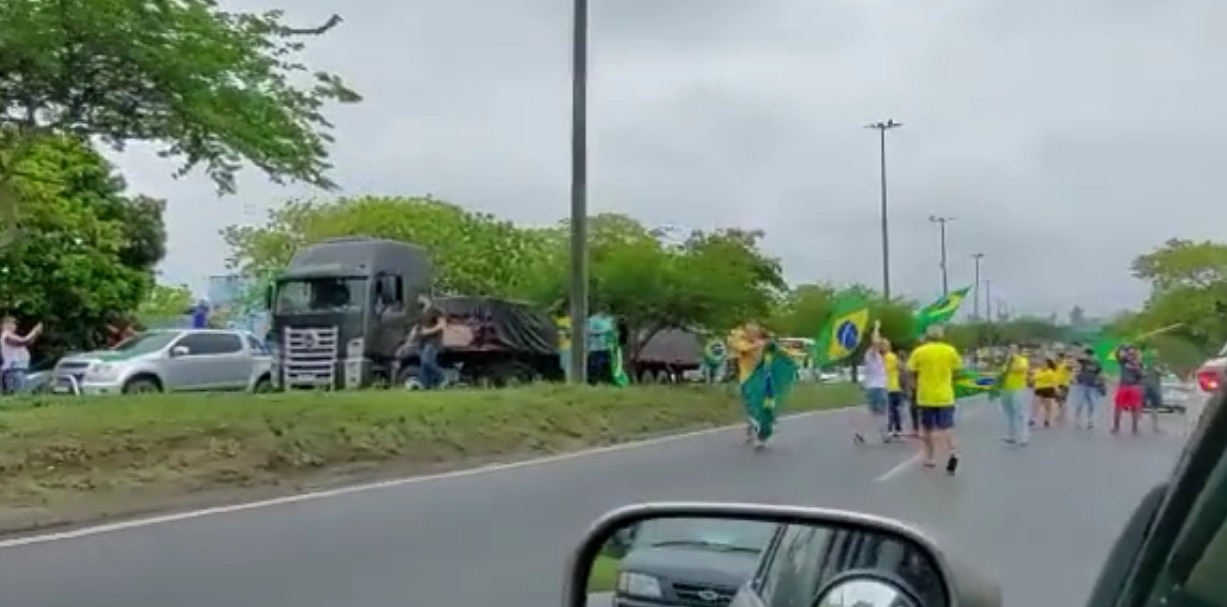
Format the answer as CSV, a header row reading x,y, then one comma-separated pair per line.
x,y
1065,136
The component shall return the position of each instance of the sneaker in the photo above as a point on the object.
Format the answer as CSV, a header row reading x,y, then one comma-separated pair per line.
x,y
952,464
858,439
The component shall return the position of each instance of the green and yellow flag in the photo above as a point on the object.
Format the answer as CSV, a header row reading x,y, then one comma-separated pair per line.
x,y
844,331
715,352
975,383
940,311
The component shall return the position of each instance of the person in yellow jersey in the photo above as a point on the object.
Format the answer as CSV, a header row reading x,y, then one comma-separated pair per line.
x,y
1046,380
746,344
894,388
1065,377
563,323
934,364
1014,404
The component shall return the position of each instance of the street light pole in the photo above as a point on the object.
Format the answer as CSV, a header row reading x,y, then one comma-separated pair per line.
x,y
881,127
988,299
579,192
941,222
975,308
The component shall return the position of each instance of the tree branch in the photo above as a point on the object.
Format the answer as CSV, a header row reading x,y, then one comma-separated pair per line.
x,y
332,22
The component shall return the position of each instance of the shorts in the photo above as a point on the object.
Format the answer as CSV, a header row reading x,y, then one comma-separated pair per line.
x,y
1129,398
876,397
1050,393
937,418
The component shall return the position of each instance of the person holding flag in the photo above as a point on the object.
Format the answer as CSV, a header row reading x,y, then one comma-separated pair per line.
x,y
875,382
839,339
769,381
935,364
747,343
1129,389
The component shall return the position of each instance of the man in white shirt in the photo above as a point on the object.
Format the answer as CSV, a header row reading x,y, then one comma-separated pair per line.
x,y
15,353
875,383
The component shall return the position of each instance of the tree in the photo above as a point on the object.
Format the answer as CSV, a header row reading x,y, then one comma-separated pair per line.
x,y
1188,285
81,262
164,303
215,88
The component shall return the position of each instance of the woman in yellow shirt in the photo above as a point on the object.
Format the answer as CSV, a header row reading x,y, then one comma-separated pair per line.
x,y
1064,379
1046,382
1013,399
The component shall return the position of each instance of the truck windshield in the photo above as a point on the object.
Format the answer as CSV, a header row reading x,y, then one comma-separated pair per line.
x,y
324,294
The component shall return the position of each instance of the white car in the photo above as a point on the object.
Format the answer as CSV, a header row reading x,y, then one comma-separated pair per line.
x,y
1209,378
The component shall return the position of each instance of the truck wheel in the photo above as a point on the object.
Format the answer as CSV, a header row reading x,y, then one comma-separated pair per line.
x,y
409,378
511,374
141,385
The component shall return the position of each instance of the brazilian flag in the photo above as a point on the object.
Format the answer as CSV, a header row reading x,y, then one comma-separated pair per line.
x,y
766,388
715,352
975,383
1105,352
844,332
940,311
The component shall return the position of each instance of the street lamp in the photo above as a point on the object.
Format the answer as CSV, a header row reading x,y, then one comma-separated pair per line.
x,y
579,192
941,222
975,305
881,127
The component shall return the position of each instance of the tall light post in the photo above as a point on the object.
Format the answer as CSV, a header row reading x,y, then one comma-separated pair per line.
x,y
579,192
941,222
988,299
881,127
975,305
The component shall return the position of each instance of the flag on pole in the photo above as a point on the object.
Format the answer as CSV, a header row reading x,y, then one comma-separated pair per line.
x,y
844,331
941,310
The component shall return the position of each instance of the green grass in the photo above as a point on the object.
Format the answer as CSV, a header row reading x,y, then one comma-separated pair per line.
x,y
604,576
56,450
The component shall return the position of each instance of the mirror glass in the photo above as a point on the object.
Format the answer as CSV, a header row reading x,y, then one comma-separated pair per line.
x,y
715,562
864,592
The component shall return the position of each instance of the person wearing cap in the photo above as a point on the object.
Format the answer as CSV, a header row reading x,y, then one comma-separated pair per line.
x,y
935,364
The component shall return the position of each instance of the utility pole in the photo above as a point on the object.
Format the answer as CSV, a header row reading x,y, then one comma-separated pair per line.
x,y
975,305
941,222
881,127
579,192
988,299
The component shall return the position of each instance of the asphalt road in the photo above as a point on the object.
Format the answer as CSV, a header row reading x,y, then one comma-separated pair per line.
x,y
1040,519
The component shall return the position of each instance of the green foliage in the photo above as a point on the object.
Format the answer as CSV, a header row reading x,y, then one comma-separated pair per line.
x,y
1188,282
85,254
215,88
164,303
1023,330
710,280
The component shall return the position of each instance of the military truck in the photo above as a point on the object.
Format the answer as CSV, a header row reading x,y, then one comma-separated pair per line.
x,y
340,313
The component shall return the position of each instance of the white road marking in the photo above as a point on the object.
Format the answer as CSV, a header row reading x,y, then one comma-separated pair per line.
x,y
398,482
912,461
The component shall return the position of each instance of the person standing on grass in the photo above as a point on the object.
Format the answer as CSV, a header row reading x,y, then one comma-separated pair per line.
x,y
1129,389
1087,389
429,336
935,364
1014,405
874,382
15,353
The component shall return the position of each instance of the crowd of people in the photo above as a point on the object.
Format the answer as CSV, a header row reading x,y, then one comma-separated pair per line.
x,y
913,394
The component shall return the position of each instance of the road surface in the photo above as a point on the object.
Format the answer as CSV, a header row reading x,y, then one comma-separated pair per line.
x,y
1040,519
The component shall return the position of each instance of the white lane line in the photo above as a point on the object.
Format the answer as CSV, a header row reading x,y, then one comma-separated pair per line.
x,y
914,460
398,482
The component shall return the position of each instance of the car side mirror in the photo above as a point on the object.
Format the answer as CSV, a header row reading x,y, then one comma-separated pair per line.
x,y
178,351
866,559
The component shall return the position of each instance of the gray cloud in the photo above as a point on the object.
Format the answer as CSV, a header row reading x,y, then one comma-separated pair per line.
x,y
1066,137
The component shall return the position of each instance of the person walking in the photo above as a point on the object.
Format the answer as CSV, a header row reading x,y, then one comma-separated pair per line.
x,y
1013,386
15,353
874,383
908,383
1065,378
935,364
746,344
895,398
1087,389
1129,389
429,336
1046,382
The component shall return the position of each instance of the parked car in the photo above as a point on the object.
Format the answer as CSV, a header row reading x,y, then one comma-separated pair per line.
x,y
1207,380
689,562
1174,394
171,360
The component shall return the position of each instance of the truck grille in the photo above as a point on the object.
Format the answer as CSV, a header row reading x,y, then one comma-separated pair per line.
x,y
309,357
704,596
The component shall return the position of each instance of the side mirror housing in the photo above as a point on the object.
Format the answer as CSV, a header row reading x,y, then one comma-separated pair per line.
x,y
178,351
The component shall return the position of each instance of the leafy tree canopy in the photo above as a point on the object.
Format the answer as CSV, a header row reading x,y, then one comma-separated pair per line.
x,y
1188,285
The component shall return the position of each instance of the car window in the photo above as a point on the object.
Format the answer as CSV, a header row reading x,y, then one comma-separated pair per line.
x,y
256,345
199,344
793,577
735,534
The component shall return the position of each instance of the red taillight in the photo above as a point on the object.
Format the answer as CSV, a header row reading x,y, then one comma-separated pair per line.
x,y
1209,379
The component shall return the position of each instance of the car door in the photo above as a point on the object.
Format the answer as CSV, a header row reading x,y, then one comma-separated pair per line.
x,y
231,361
210,361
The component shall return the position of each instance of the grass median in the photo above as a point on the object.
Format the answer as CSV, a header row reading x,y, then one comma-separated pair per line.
x,y
57,452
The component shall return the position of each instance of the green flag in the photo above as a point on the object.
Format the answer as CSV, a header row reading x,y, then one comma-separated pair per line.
x,y
1105,352
940,311
975,383
844,331
767,386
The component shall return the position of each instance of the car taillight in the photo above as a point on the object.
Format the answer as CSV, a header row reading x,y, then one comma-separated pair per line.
x,y
1209,379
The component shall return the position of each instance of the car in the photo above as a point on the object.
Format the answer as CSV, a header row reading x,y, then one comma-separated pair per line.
x,y
1174,393
1207,380
169,360
689,563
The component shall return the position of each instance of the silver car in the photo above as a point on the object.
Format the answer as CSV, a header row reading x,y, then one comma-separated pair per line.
x,y
165,361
